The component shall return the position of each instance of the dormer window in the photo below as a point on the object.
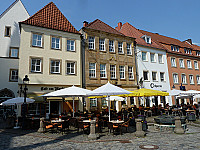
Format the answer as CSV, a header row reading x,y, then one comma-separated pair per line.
x,y
198,53
174,48
147,39
187,51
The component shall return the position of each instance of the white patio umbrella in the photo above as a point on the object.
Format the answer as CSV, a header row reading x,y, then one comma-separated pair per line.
x,y
17,101
174,92
115,98
197,96
190,92
108,90
72,91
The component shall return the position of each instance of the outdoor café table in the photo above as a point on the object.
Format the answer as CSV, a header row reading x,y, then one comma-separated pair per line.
x,y
190,111
117,123
87,121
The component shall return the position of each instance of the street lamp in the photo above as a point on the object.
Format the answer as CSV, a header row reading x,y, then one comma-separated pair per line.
x,y
24,105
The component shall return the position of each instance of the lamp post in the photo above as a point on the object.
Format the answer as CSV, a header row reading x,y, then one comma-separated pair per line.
x,y
24,105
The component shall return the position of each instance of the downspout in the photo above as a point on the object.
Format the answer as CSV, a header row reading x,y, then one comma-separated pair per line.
x,y
136,66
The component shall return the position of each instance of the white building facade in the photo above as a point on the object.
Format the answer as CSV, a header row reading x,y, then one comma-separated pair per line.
x,y
9,48
153,73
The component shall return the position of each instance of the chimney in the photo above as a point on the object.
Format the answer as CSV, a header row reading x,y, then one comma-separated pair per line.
x,y
119,26
85,24
189,41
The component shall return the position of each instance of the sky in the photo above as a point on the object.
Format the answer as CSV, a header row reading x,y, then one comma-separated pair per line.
x,y
173,18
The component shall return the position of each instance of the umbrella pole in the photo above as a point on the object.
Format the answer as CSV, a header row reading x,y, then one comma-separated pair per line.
x,y
109,107
73,106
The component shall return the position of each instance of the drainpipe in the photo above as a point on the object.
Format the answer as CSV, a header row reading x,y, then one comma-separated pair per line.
x,y
136,66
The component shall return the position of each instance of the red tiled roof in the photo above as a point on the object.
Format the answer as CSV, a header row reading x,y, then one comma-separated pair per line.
x,y
193,46
165,39
128,30
50,17
100,25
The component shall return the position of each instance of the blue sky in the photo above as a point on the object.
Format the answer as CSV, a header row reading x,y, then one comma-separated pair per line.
x,y
174,18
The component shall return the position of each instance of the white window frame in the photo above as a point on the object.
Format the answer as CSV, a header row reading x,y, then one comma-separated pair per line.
x,y
183,78
103,73
70,67
175,80
91,42
143,57
155,76
53,68
196,66
111,46
147,75
173,62
174,48
122,72
102,44
14,75
38,39
182,64
120,48
198,53
147,39
70,44
35,65
130,73
160,60
189,64
163,77
191,78
154,57
93,102
129,49
198,79
92,70
187,51
54,43
113,71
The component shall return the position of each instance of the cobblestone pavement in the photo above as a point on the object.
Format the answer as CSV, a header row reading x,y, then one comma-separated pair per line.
x,y
16,139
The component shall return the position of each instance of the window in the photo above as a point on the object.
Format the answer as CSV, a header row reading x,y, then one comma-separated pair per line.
x,y
175,78
14,52
147,39
196,66
120,48
173,62
113,71
7,31
93,102
130,73
187,51
122,72
183,79
144,56
111,46
128,48
198,53
103,102
55,42
198,79
70,68
175,48
162,76
92,70
102,44
191,77
91,42
70,45
181,63
37,40
189,64
146,75
152,55
154,76
160,58
36,65
55,66
14,75
103,71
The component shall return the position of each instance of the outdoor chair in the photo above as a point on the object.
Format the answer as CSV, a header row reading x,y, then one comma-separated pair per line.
x,y
48,126
126,125
83,126
113,127
63,126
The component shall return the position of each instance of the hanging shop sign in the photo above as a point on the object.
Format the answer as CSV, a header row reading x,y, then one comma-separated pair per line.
x,y
51,88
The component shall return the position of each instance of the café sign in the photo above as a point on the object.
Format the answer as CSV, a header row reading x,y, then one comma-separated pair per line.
x,y
51,88
152,85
